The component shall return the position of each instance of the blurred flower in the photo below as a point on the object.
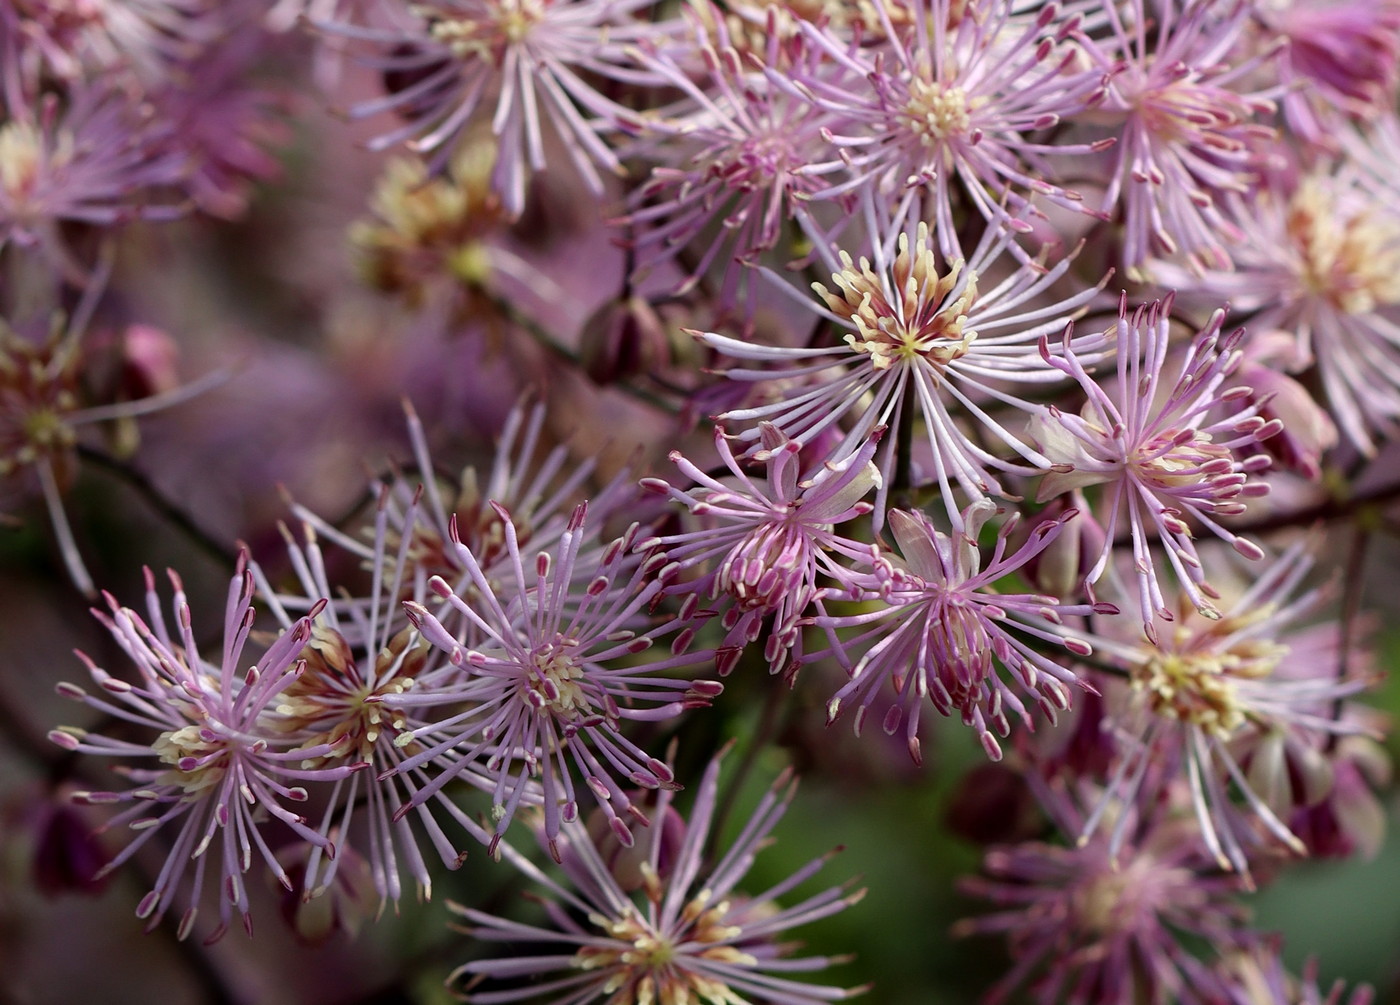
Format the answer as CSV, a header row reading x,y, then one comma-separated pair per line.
x,y
72,39
1319,258
102,159
692,938
533,58
1340,60
429,230
1255,975
223,766
42,410
1091,926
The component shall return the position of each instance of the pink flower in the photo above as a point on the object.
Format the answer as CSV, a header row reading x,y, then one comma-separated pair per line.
x,y
941,630
1090,926
538,697
764,551
223,762
1187,134
1244,703
1164,449
916,335
691,936
950,106
532,59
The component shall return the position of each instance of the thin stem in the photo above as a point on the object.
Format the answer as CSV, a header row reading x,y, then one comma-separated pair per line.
x,y
1351,611
770,717
167,508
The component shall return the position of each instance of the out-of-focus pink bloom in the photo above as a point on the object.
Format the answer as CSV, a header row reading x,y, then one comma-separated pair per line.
x,y
225,127
222,767
1187,133
1087,925
1163,449
100,160
1256,975
766,551
72,39
692,936
1320,257
532,59
1308,431
1340,60
941,629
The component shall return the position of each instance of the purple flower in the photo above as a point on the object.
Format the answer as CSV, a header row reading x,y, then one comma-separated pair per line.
x,y
738,153
222,763
1340,61
1162,448
540,694
1318,258
532,59
1186,135
360,651
765,550
940,629
690,937
1256,975
1088,926
1238,703
913,335
98,161
954,106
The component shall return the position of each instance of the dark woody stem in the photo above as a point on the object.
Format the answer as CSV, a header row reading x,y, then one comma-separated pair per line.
x,y
162,504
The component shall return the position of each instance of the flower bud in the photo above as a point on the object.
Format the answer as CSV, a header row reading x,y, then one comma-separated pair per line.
x,y
623,340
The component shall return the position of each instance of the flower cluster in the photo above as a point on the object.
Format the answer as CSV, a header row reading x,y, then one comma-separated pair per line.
x,y
775,364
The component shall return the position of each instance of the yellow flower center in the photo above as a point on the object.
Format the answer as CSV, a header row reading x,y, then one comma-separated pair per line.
x,y
182,748
937,113
645,964
1351,260
917,320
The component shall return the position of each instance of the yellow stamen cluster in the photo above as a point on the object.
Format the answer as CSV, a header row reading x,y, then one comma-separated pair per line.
x,y
918,321
333,699
555,671
509,23
1197,684
644,963
429,229
36,398
1351,260
22,155
173,746
936,113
